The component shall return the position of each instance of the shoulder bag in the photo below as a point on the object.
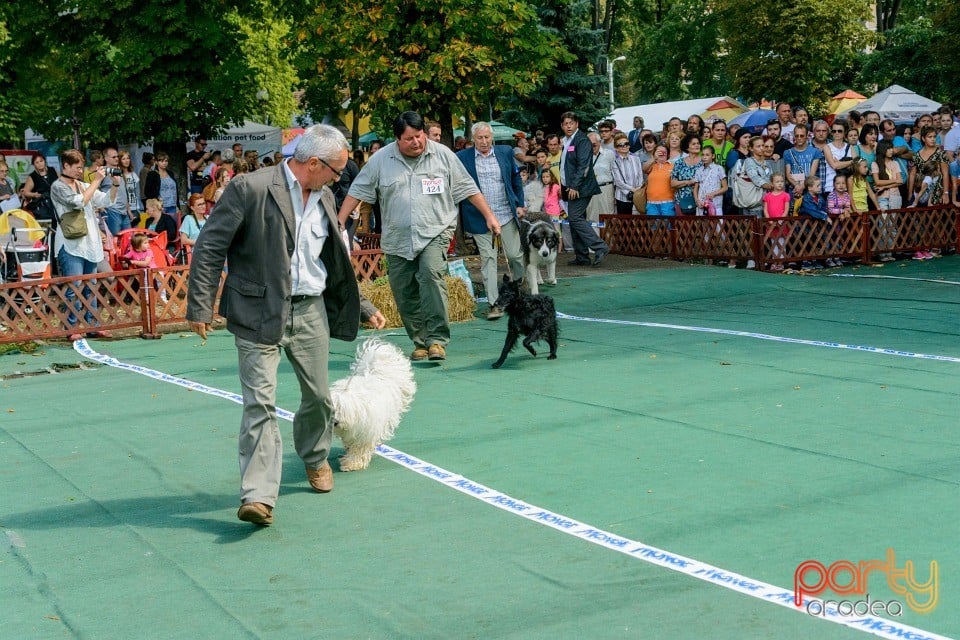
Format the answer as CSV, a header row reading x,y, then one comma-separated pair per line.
x,y
74,224
746,195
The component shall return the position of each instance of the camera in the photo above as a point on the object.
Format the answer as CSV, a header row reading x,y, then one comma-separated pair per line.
x,y
113,172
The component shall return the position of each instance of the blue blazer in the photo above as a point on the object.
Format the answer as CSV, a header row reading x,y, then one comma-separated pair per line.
x,y
473,220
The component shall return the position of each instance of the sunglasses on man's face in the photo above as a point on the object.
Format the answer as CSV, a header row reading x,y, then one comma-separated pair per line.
x,y
623,144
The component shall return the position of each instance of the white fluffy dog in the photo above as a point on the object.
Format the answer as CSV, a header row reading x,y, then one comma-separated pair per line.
x,y
368,404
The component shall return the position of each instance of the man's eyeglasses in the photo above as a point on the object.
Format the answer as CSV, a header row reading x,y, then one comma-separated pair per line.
x,y
838,130
623,144
336,172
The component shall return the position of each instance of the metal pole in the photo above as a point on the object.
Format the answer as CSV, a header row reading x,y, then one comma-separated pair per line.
x,y
610,63
610,79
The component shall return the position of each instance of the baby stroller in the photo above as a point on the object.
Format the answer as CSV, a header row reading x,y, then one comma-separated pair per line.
x,y
27,250
27,255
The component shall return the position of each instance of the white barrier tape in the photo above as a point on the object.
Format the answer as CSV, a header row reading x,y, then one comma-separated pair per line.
x,y
595,225
764,336
877,626
879,277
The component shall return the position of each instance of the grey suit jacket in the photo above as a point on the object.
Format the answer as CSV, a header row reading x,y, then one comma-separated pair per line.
x,y
253,229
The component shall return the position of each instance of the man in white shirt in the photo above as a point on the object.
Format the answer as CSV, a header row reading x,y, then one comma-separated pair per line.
x,y
601,204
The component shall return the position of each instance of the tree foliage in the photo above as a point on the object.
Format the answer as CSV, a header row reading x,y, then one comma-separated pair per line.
x,y
122,70
919,53
9,111
905,59
437,57
791,51
575,85
675,59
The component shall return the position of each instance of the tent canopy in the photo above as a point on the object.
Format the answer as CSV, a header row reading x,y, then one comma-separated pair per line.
x,y
501,132
654,115
262,138
725,109
896,103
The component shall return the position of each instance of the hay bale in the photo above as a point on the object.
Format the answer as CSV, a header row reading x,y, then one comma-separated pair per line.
x,y
460,304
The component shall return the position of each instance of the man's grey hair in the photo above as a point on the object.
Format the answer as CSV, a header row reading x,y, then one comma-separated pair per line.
x,y
320,141
820,121
594,136
480,126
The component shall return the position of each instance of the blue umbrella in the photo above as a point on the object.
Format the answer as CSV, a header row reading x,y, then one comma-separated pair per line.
x,y
291,146
755,120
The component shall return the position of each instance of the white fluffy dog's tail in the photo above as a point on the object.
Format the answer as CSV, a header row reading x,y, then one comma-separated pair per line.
x,y
369,403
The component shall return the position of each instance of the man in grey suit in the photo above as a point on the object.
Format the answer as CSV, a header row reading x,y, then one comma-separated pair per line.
x,y
291,287
578,184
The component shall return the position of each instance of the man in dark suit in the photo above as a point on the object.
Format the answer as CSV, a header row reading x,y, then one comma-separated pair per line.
x,y
497,175
291,287
578,185
636,135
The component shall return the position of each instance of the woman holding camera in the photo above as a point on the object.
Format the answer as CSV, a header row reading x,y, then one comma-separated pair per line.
x,y
77,244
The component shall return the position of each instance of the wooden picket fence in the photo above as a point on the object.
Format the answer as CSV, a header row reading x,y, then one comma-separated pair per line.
x,y
795,239
144,299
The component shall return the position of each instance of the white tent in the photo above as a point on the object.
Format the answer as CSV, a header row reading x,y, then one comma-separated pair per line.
x,y
262,138
654,115
896,103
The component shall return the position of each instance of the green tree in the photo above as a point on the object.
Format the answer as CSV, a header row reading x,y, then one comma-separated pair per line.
x,y
9,112
906,59
792,50
579,81
160,70
437,57
677,58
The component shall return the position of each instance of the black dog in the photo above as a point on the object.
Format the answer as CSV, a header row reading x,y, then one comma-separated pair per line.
x,y
529,315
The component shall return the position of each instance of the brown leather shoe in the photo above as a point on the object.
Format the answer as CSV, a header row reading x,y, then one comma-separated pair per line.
x,y
437,352
257,513
321,479
420,353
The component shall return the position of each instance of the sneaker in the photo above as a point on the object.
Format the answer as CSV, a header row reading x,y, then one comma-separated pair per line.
x,y
420,353
751,264
887,257
817,266
806,265
928,255
495,313
777,267
732,264
919,255
437,352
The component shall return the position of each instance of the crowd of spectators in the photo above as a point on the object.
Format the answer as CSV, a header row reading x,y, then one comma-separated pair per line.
x,y
689,167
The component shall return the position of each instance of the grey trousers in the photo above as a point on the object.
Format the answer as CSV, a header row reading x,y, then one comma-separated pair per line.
x,y
510,240
306,342
420,290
